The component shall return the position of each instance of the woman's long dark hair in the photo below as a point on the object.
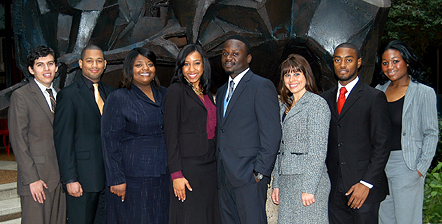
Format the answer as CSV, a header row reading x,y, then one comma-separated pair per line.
x,y
296,63
178,76
415,69
128,66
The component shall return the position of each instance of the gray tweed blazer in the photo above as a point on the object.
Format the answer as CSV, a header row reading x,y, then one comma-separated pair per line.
x,y
303,146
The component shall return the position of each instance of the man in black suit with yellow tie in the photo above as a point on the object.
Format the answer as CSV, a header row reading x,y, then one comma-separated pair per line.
x,y
77,127
359,143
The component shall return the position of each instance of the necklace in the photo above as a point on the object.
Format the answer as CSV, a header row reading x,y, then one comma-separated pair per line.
x,y
197,90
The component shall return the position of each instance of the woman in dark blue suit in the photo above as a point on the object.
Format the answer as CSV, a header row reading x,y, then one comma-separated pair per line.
x,y
133,145
189,126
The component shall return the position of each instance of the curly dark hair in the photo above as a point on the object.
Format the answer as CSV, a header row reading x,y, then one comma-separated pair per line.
x,y
128,66
296,63
415,69
39,52
178,76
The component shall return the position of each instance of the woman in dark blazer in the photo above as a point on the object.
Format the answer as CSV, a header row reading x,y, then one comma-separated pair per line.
x,y
133,145
301,185
189,127
412,107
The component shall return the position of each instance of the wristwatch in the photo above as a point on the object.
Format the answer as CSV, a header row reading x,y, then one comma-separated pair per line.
x,y
258,175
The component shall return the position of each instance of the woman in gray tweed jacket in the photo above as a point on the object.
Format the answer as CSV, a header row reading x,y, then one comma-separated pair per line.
x,y
301,185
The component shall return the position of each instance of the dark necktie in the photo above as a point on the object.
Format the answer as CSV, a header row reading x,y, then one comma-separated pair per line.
x,y
341,99
231,85
51,96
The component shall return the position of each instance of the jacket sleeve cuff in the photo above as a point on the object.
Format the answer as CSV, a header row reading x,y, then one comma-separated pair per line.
x,y
176,175
366,184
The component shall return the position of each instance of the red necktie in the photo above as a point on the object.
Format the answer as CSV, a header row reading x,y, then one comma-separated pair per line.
x,y
341,99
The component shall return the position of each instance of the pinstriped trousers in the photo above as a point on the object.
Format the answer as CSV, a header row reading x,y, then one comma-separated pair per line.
x,y
404,204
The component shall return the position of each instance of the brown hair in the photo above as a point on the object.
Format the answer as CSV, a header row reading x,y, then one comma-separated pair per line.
x,y
296,63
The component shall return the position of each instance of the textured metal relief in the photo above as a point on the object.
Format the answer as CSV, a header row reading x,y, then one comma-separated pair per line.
x,y
275,28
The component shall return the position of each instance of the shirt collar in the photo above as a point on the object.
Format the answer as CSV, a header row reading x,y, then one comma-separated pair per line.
x,y
43,87
238,78
348,87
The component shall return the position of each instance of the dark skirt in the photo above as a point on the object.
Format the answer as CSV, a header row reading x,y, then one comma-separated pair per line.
x,y
201,205
146,201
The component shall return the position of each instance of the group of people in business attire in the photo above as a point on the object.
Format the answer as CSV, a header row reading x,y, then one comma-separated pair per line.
x,y
147,154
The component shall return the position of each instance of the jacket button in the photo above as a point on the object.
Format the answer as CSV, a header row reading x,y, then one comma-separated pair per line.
x,y
282,142
343,163
403,134
222,130
339,125
340,144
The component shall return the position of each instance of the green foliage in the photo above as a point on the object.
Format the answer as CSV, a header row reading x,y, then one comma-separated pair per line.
x,y
433,196
417,22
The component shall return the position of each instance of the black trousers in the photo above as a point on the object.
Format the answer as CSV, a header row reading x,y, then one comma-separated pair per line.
x,y
340,213
86,209
244,204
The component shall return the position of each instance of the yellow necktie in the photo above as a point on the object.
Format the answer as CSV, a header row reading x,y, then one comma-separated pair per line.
x,y
98,99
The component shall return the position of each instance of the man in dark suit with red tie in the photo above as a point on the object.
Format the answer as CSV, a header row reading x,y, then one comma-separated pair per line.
x,y
77,134
359,143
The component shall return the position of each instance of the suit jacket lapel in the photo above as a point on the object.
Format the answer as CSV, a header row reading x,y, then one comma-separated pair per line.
x,y
409,95
195,97
352,97
41,100
332,102
220,103
237,92
88,97
298,107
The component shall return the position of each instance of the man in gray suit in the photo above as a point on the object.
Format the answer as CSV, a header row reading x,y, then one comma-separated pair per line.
x,y
248,135
30,119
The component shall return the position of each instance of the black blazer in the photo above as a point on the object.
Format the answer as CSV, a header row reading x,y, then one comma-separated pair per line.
x,y
359,140
77,130
248,135
185,121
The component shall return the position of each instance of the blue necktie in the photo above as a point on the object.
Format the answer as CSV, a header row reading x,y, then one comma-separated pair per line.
x,y
226,101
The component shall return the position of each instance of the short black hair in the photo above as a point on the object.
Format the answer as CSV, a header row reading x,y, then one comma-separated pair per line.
x,y
181,59
128,66
90,47
242,39
352,46
38,52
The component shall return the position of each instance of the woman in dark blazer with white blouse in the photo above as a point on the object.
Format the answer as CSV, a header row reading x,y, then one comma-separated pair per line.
x,y
189,126
301,185
133,145
412,107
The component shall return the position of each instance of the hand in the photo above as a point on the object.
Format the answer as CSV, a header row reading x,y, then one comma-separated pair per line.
x,y
37,191
179,188
420,175
256,179
74,189
275,196
359,193
119,190
307,199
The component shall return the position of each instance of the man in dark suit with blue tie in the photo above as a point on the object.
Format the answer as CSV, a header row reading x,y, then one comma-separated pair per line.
x,y
248,135
77,134
358,144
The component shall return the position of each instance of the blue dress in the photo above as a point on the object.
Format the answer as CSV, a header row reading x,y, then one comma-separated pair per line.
x,y
135,153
